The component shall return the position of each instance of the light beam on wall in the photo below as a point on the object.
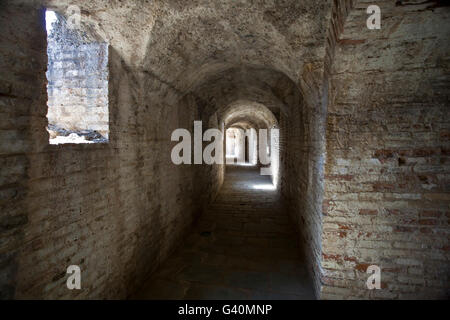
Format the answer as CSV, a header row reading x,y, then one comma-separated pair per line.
x,y
50,18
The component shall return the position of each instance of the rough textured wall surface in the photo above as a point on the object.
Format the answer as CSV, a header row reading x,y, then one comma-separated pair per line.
x,y
77,76
303,183
22,90
108,208
305,145
387,170
363,143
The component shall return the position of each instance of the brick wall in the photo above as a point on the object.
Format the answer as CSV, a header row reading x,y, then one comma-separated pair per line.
x,y
387,185
77,81
306,148
364,162
22,90
304,182
108,208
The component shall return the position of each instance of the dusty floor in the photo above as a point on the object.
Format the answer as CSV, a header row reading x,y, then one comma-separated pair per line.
x,y
242,248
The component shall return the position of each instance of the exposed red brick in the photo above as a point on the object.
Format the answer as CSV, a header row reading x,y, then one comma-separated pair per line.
x,y
428,222
125,196
425,230
331,256
368,212
380,186
362,266
445,135
352,259
345,177
423,152
325,206
394,212
430,214
426,152
374,123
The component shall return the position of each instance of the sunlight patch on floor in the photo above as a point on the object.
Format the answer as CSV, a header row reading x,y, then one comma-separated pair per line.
x,y
264,186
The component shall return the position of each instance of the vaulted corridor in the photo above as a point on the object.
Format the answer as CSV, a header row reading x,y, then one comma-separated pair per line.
x,y
243,247
118,118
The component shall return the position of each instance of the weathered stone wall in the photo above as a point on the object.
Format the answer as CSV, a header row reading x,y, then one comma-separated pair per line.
x,y
209,177
22,90
364,141
77,81
306,141
284,157
387,184
117,209
302,181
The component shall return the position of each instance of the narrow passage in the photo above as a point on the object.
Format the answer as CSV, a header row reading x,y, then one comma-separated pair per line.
x,y
243,247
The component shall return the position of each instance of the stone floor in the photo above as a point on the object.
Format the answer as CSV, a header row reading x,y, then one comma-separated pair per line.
x,y
243,247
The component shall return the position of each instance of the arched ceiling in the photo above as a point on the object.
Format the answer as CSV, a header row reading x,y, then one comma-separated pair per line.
x,y
247,93
265,86
184,42
210,36
253,114
219,51
243,125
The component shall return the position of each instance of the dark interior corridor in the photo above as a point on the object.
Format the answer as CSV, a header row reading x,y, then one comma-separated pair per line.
x,y
243,247
224,149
